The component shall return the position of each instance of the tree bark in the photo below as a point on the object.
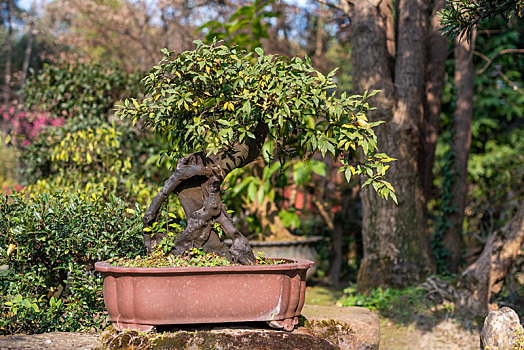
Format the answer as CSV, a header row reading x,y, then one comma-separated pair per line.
x,y
396,245
319,37
472,290
460,145
435,68
486,275
272,225
28,50
9,42
197,181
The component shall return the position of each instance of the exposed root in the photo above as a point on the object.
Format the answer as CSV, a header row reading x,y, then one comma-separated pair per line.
x,y
438,290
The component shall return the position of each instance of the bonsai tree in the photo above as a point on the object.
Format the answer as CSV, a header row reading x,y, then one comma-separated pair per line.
x,y
217,105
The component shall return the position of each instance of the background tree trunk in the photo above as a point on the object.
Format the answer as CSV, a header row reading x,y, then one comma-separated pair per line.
x,y
28,49
435,68
460,145
8,59
396,245
319,37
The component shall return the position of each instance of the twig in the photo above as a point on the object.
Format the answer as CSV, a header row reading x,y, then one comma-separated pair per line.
x,y
344,7
490,60
323,212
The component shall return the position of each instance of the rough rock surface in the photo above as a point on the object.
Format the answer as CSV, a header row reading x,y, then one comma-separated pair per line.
x,y
500,330
364,324
54,340
321,328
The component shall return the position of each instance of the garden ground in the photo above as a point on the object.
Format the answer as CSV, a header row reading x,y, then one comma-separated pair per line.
x,y
408,330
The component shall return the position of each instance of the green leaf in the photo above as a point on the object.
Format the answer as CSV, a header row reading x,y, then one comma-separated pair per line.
x,y
394,197
318,167
347,174
368,181
364,145
252,192
289,218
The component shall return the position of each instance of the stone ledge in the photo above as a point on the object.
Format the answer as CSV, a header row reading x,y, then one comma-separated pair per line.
x,y
321,328
364,324
53,340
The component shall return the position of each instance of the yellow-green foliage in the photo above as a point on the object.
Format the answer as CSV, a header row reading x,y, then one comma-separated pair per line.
x,y
519,340
8,157
49,243
95,159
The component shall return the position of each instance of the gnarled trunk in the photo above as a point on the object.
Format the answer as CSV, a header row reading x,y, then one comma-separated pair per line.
x,y
485,276
472,289
197,182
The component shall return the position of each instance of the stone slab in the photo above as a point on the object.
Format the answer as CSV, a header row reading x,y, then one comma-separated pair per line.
x,y
364,324
53,340
321,328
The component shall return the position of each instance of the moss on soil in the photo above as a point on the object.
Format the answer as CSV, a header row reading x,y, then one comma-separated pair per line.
x,y
191,258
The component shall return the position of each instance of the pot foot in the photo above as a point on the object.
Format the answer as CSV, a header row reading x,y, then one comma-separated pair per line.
x,y
286,324
121,326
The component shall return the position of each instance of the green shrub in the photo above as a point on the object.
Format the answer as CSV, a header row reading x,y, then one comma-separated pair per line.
x,y
110,158
80,90
49,244
388,302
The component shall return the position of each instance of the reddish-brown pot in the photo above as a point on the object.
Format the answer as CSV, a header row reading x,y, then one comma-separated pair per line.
x,y
142,297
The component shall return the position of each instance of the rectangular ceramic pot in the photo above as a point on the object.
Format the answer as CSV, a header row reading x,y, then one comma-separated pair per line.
x,y
143,297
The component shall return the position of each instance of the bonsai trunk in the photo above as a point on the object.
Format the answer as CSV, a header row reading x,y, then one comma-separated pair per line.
x,y
197,182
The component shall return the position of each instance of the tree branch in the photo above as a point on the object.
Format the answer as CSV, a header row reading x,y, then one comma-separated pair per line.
x,y
490,60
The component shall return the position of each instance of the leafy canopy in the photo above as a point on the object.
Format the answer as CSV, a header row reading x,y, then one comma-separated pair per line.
x,y
213,97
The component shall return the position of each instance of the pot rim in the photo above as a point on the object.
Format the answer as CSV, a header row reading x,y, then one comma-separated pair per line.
x,y
296,264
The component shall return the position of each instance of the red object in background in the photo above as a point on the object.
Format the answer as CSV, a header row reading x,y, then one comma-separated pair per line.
x,y
27,125
9,189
